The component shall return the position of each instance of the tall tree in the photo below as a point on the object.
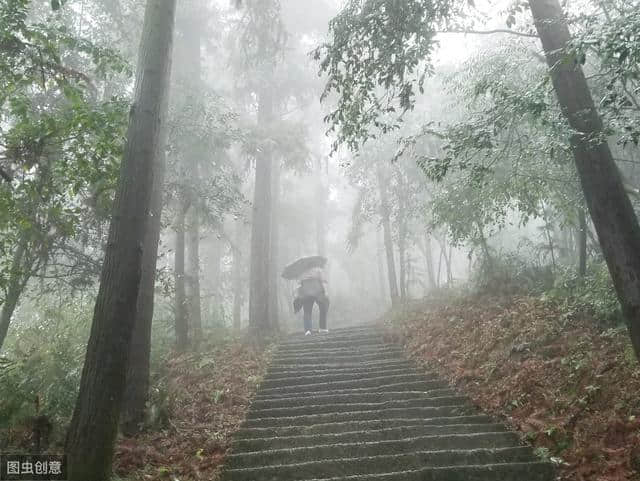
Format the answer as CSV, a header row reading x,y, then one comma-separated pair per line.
x,y
139,370
94,425
192,72
385,215
238,297
274,256
260,292
264,38
181,315
401,62
611,211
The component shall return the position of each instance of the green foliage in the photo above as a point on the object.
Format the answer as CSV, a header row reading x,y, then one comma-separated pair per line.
x,y
612,44
61,144
508,272
379,53
595,292
44,358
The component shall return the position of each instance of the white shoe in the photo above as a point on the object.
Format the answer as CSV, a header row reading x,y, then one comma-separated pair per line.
x,y
323,331
307,333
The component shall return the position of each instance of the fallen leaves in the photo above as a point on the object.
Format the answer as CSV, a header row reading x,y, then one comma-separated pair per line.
x,y
209,394
566,384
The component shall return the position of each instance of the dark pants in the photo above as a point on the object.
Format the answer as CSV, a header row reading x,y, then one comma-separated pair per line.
x,y
307,306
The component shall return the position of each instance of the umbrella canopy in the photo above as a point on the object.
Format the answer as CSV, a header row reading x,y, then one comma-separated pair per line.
x,y
297,268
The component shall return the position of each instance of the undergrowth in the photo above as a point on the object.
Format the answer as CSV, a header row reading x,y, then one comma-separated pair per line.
x,y
565,379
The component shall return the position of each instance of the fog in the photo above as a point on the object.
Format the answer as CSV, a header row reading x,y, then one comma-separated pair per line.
x,y
180,173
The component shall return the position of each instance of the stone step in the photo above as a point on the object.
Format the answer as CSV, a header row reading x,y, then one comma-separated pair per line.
x,y
380,464
329,383
355,358
334,343
366,349
370,397
386,434
344,367
357,449
533,471
341,373
393,413
351,425
350,407
324,388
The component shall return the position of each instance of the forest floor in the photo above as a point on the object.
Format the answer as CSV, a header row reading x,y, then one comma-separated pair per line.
x,y
568,385
201,402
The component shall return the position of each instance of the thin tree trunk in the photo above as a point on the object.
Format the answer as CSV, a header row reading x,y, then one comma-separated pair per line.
x,y
238,298
487,253
447,263
439,265
379,254
94,425
192,71
213,267
180,306
388,241
403,273
193,272
402,254
138,373
610,208
551,245
15,287
582,243
429,259
274,298
259,284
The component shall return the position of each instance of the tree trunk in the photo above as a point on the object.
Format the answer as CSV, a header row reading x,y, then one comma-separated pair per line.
x,y
138,373
193,272
180,307
439,265
274,299
379,254
388,241
610,208
94,425
259,292
582,244
15,287
238,298
213,267
402,255
487,253
429,259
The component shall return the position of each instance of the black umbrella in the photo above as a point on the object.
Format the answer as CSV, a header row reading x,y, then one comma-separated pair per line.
x,y
297,268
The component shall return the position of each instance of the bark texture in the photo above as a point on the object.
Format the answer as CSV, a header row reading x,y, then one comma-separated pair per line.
x,y
388,240
238,298
138,373
193,276
611,211
259,284
582,244
94,425
180,307
274,258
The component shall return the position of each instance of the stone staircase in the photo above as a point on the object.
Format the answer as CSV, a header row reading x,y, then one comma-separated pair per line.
x,y
348,406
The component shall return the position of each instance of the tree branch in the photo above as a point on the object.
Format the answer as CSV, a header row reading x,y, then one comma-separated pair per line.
x,y
490,32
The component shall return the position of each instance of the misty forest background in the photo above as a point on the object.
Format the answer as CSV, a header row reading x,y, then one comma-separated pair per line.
x,y
423,147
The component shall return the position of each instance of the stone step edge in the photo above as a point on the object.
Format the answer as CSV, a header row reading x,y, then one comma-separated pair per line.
x,y
382,457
